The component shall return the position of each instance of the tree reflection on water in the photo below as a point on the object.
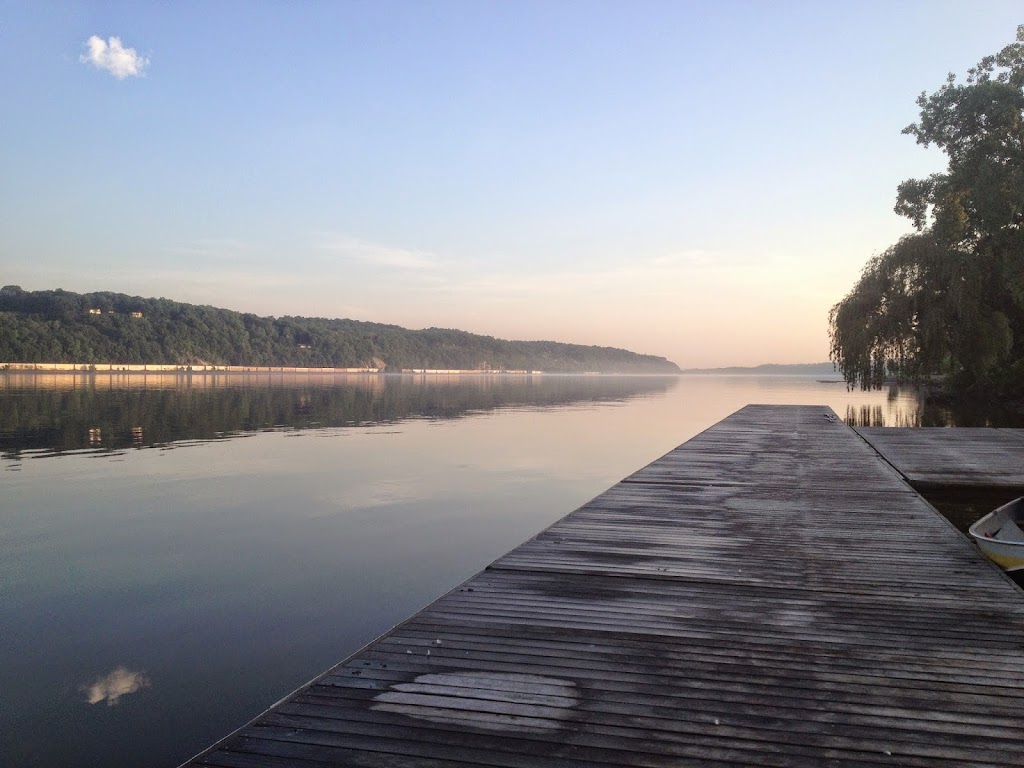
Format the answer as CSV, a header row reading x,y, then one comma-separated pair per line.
x,y
934,414
55,414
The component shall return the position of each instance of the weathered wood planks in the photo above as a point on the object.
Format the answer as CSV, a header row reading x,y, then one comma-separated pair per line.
x,y
770,593
962,457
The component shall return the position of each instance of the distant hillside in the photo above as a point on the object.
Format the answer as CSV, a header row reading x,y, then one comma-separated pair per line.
x,y
60,326
795,369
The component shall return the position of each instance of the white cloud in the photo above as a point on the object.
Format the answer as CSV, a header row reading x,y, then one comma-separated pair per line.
x,y
112,56
112,687
378,253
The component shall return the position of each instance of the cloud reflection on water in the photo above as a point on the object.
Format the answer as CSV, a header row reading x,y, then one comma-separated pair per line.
x,y
110,688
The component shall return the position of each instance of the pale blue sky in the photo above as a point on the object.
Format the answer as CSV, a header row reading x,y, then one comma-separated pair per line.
x,y
700,180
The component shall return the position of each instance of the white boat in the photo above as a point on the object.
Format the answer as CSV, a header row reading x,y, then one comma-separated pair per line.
x,y
1000,535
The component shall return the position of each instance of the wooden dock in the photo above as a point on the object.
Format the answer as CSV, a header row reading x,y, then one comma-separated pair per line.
x,y
770,593
958,458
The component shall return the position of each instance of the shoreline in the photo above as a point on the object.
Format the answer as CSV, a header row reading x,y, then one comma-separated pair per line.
x,y
88,369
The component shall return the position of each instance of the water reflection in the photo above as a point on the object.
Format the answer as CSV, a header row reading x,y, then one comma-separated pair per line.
x,y
52,414
110,688
238,569
899,411
881,416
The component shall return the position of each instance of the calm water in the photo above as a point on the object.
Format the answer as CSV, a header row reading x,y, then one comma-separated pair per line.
x,y
175,556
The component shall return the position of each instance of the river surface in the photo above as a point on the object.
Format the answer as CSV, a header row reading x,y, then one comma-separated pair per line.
x,y
178,554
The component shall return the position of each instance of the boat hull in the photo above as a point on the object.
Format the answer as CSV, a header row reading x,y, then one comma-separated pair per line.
x,y
999,535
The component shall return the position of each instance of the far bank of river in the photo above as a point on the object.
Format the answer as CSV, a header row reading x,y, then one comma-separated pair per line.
x,y
200,369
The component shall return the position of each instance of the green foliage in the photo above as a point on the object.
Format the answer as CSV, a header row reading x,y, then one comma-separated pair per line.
x,y
889,322
57,326
950,300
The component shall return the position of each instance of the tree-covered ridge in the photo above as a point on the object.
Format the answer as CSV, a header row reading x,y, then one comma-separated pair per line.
x,y
949,299
59,326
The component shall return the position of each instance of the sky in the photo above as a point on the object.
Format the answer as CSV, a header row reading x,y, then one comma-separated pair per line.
x,y
697,180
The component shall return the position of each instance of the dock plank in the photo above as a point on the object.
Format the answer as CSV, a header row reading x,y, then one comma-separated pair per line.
x,y
963,457
770,593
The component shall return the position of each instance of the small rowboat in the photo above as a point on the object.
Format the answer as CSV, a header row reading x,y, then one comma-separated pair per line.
x,y
1000,535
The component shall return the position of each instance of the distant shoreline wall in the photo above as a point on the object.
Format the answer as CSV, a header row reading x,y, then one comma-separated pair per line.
x,y
202,370
162,368
449,371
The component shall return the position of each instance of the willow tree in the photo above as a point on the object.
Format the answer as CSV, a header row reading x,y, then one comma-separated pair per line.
x,y
950,299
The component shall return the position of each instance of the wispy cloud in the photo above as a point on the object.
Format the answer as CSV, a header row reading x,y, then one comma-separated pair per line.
x,y
110,688
650,276
354,249
112,56
220,248
688,258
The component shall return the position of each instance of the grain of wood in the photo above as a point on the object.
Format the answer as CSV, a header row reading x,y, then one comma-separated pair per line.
x,y
980,457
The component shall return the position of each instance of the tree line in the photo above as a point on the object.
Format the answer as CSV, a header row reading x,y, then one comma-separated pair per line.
x,y
60,326
948,300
